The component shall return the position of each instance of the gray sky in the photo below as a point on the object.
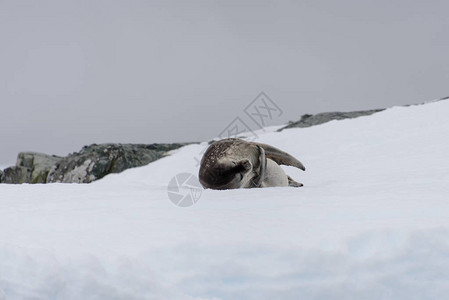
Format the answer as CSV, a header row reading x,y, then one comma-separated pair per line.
x,y
79,72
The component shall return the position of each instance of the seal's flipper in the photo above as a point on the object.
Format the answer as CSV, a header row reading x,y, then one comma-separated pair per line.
x,y
243,166
280,157
293,183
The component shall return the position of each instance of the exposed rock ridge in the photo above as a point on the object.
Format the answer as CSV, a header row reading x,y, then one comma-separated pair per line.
x,y
309,120
91,163
321,118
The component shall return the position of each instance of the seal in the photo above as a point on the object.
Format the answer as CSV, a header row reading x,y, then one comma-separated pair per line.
x,y
234,163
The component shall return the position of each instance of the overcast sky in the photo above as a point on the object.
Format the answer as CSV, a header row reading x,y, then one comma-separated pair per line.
x,y
79,72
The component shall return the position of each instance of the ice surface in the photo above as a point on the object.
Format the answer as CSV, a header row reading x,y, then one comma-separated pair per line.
x,y
371,222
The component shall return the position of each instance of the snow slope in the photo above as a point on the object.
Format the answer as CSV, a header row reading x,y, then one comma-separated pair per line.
x,y
371,222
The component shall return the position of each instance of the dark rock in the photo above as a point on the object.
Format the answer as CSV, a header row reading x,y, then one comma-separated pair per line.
x,y
312,120
96,161
16,175
40,165
91,163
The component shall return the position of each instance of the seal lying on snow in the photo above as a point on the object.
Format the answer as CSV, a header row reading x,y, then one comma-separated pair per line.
x,y
235,163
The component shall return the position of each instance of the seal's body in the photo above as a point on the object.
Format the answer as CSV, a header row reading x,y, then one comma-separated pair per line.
x,y
235,163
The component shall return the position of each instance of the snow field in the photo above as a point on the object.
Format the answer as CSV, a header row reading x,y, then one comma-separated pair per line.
x,y
372,221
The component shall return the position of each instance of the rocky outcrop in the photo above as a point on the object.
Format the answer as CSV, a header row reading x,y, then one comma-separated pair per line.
x,y
31,167
321,118
39,165
91,163
16,175
96,161
312,120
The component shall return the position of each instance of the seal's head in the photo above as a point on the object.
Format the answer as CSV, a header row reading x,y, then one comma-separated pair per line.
x,y
226,174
